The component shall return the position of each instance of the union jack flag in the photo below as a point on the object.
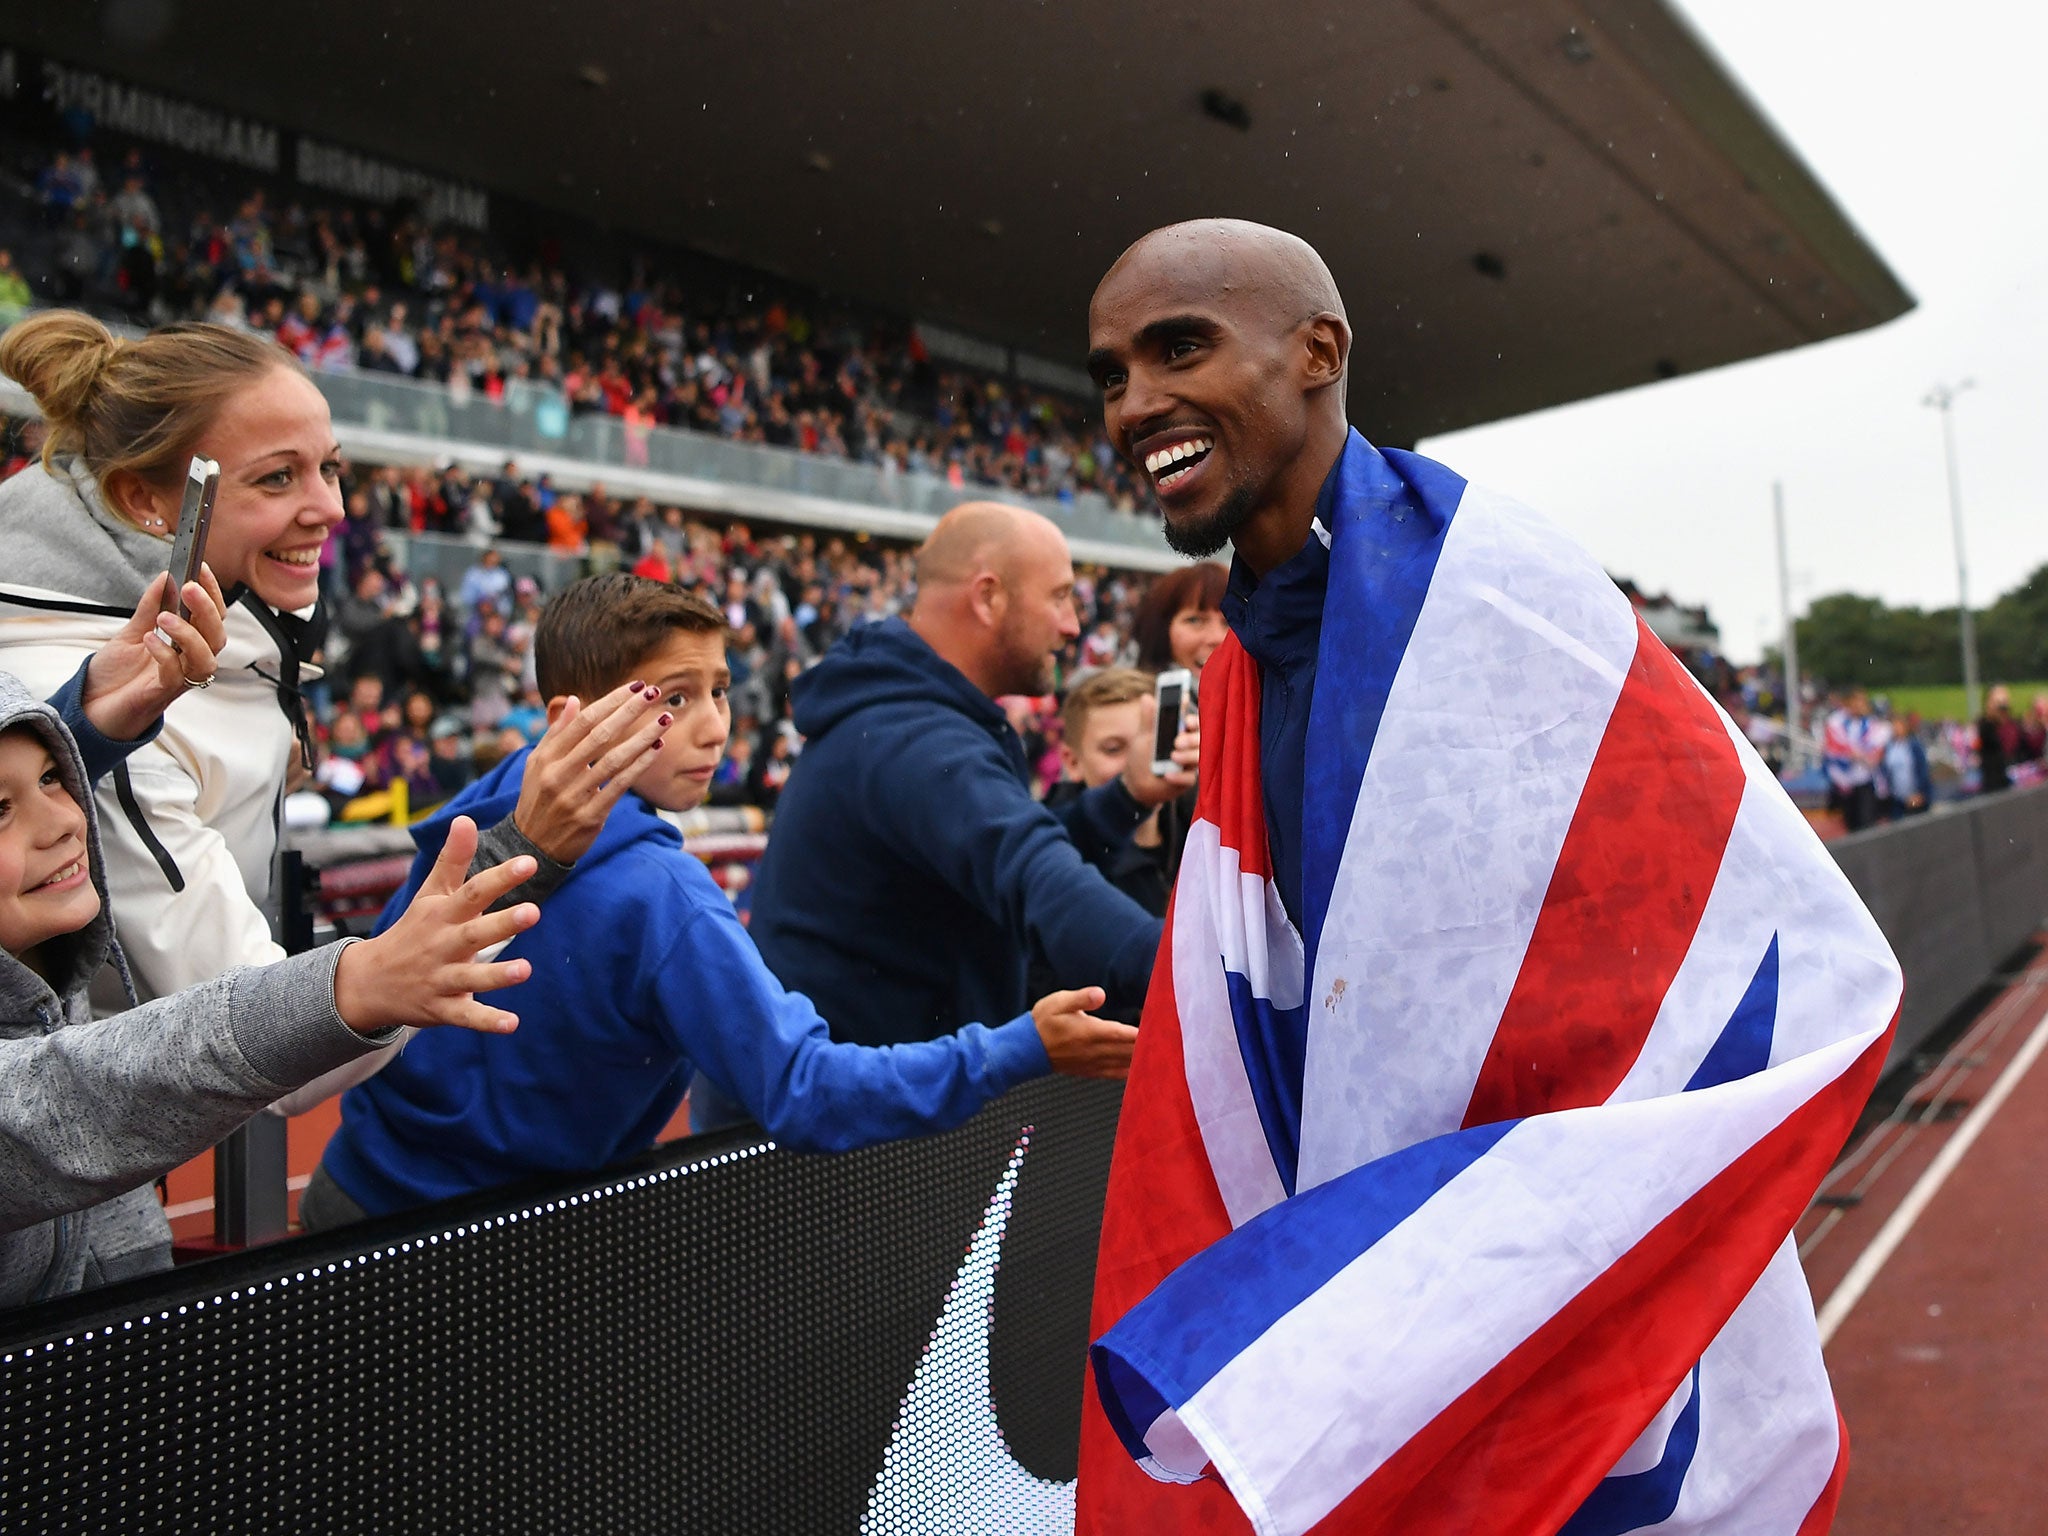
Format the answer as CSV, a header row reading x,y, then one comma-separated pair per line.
x,y
1468,1208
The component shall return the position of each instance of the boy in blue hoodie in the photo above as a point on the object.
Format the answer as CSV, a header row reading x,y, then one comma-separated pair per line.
x,y
642,973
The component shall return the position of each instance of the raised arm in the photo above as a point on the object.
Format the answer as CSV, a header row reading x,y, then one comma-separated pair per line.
x,y
771,1051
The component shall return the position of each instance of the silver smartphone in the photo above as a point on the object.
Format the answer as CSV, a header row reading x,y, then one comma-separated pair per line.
x,y
1170,693
195,517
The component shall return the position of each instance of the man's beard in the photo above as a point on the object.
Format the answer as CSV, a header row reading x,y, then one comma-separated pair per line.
x,y
1200,539
1028,671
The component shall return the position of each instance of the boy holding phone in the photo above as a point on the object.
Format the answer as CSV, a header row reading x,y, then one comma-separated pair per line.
x,y
642,972
1104,720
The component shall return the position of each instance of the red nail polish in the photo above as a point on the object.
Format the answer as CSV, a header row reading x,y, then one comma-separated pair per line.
x,y
665,721
634,687
657,743
653,692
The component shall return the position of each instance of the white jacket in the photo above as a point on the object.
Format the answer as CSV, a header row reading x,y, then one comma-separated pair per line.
x,y
190,822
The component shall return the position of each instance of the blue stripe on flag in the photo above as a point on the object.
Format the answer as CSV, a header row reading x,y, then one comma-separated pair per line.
x,y
1215,1306
1128,1401
1387,520
1274,1044
1639,1499
1744,1048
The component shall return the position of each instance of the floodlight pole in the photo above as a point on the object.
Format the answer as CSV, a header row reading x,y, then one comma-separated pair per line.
x,y
1791,657
1943,398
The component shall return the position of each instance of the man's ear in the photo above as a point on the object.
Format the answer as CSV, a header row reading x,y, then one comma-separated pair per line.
x,y
1070,764
985,594
1326,348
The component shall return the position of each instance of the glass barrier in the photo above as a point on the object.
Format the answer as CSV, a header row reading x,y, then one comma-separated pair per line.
x,y
532,420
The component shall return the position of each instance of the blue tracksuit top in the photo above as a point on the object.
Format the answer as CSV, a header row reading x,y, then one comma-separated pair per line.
x,y
641,972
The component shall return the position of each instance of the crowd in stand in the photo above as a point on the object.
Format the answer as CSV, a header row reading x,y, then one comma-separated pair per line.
x,y
387,293
430,684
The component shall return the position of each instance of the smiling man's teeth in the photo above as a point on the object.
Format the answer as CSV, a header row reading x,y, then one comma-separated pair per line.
x,y
1165,458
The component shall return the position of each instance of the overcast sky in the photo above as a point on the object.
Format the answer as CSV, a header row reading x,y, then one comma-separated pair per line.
x,y
1930,126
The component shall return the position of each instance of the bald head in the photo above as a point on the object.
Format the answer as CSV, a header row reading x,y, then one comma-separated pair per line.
x,y
995,596
1253,269
980,537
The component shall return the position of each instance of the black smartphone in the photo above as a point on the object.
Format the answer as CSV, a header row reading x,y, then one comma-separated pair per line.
x,y
1170,689
195,517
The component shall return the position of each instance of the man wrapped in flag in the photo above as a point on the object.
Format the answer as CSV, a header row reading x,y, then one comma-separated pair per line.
x,y
1507,1017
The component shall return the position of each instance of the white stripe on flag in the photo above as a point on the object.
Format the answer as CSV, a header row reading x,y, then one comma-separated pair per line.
x,y
1489,732
1215,908
1768,1432
1832,956
1652,1443
1744,910
1340,1382
1830,953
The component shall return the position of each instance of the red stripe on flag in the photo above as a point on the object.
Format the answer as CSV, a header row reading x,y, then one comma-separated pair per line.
x,y
1821,1518
1163,1207
1229,792
1520,1450
1634,874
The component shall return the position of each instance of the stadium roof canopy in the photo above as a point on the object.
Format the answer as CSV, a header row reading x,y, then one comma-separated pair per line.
x,y
1525,201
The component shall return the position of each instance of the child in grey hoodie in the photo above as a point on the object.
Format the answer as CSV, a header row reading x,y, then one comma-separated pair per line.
x,y
91,1112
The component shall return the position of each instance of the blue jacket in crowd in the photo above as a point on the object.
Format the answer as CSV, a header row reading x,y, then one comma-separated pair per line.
x,y
911,871
640,973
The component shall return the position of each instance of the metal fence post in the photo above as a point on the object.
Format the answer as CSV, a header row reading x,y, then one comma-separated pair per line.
x,y
250,1168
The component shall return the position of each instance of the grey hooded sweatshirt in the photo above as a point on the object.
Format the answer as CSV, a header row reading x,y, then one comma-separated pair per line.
x,y
91,1112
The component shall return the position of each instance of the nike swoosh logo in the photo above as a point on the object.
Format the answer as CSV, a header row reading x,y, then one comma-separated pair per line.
x,y
947,1468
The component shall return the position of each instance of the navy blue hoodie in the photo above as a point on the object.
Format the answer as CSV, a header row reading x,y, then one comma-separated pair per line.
x,y
911,871
640,972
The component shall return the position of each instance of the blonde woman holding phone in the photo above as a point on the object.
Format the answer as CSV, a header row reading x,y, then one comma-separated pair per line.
x,y
190,822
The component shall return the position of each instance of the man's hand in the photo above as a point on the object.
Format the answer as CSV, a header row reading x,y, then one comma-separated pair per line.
x,y
1080,1044
155,659
423,969
586,761
1147,787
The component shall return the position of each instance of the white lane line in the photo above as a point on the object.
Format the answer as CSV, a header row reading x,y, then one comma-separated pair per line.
x,y
1894,1231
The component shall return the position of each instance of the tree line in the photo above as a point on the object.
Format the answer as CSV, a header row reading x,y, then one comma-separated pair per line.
x,y
1848,639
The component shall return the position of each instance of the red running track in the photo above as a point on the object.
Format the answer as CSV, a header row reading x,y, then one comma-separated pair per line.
x,y
1941,1362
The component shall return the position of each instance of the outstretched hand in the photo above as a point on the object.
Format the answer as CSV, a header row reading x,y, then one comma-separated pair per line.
x,y
423,969
156,658
1080,1044
589,757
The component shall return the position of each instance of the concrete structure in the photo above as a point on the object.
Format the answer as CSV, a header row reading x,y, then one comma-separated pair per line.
x,y
1526,201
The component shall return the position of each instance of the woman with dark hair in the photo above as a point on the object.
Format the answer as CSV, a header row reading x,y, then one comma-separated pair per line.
x,y
1180,621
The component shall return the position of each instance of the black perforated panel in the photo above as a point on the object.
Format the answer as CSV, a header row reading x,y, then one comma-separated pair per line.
x,y
722,1337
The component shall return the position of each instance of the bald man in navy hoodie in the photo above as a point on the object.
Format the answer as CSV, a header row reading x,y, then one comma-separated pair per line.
x,y
911,872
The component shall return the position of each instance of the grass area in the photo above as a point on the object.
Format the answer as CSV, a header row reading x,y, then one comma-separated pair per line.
x,y
1946,703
